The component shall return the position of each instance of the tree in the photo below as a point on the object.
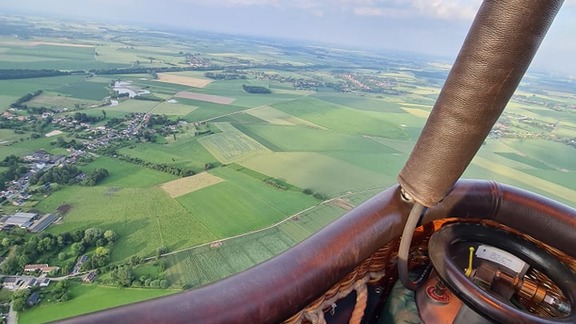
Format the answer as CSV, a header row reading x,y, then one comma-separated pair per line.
x,y
78,248
110,236
77,235
62,256
46,244
104,113
23,260
161,250
123,275
135,260
10,265
102,251
164,284
20,299
6,242
92,235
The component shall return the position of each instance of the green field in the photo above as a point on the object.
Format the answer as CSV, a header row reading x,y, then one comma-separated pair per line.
x,y
231,145
11,90
306,139
85,90
341,119
26,146
144,218
242,203
51,57
127,175
134,106
173,109
89,298
185,152
318,172
203,265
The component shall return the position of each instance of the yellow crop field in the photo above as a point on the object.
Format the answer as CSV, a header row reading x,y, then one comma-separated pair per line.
x,y
183,80
183,186
417,112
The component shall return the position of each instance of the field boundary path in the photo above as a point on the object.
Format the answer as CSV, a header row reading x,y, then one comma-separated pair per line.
x,y
220,241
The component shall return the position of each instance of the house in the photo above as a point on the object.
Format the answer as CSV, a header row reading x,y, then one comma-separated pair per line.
x,y
90,277
45,282
38,156
33,299
45,268
12,283
32,282
34,267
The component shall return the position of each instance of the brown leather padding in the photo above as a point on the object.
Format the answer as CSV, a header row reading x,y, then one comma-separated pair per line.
x,y
498,49
279,288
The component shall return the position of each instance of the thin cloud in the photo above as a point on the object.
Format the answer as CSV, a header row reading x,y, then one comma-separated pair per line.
x,y
437,9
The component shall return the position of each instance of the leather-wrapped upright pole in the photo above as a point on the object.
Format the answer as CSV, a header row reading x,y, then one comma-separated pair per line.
x,y
499,47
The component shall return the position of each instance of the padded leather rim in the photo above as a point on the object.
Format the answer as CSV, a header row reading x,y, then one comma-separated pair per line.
x,y
481,301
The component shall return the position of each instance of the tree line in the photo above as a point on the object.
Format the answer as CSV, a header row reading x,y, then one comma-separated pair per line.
x,y
8,74
177,171
69,175
25,98
255,89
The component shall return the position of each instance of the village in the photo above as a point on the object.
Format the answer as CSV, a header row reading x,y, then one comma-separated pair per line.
x,y
93,140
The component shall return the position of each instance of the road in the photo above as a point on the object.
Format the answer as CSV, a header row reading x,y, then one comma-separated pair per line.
x,y
12,316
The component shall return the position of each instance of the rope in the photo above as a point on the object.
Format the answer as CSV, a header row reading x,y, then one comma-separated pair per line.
x,y
315,317
361,300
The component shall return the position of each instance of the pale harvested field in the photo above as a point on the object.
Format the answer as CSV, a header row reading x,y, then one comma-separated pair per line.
x,y
342,203
205,97
54,133
417,112
277,117
183,186
183,80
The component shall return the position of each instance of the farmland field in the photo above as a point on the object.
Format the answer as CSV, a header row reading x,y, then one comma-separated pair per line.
x,y
184,152
277,117
85,90
206,264
231,145
317,172
205,97
340,118
187,185
144,218
241,203
87,299
173,109
183,80
127,175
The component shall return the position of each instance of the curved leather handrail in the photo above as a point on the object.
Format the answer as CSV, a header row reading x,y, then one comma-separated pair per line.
x,y
274,290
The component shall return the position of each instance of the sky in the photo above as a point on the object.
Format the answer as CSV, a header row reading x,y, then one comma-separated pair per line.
x,y
434,27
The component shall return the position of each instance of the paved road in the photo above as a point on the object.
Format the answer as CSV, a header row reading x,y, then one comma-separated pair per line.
x,y
12,316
